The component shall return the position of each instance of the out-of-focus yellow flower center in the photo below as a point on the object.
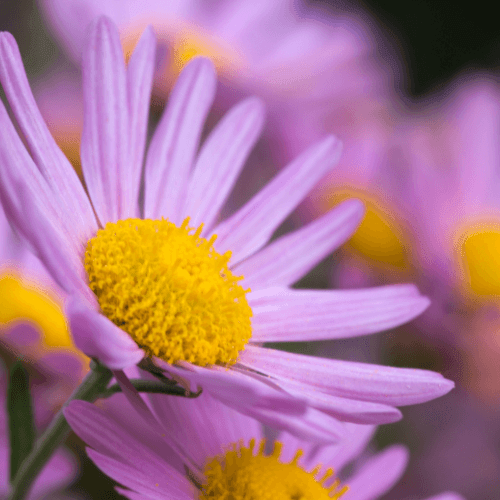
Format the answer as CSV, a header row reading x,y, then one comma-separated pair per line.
x,y
378,237
481,256
22,300
169,290
241,474
184,41
68,139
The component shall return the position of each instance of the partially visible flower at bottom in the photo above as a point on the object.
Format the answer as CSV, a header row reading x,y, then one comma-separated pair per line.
x,y
226,456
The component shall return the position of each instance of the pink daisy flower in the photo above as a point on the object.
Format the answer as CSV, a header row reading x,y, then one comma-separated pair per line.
x,y
145,274
224,455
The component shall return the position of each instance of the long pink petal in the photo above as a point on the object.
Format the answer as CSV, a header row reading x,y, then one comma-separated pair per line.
x,y
204,427
290,257
236,389
312,425
348,379
139,83
174,144
378,475
284,315
251,227
98,337
30,206
106,128
220,161
348,410
152,480
49,159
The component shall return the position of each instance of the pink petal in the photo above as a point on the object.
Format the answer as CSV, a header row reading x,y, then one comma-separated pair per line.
x,y
284,315
378,475
238,390
139,82
348,410
290,257
174,144
153,480
313,425
99,338
106,128
251,227
220,161
363,381
49,159
30,207
204,427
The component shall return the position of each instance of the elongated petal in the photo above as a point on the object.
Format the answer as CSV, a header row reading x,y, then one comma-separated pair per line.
x,y
98,337
354,442
348,410
363,381
313,425
283,315
106,128
49,159
192,418
139,83
290,257
378,475
238,390
30,207
174,144
221,160
251,227
152,480
107,435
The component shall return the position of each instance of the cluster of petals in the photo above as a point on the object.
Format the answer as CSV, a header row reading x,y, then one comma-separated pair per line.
x,y
136,456
46,203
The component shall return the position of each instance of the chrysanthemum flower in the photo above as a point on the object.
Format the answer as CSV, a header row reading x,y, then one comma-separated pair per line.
x,y
225,455
144,271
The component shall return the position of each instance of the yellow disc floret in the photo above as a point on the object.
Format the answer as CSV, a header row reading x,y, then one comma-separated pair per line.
x,y
169,290
481,254
241,474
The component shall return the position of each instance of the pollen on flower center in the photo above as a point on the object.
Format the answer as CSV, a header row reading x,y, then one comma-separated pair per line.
x,y
169,290
241,474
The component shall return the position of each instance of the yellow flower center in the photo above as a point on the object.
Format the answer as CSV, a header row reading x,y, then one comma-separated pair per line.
x,y
481,257
184,41
378,237
241,474
169,290
23,300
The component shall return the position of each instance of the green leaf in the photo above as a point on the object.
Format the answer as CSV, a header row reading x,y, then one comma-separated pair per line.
x,y
20,416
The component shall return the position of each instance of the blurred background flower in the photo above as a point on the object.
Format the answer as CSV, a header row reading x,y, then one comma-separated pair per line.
x,y
412,90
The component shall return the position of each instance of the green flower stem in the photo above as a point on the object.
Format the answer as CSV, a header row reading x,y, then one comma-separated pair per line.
x,y
90,389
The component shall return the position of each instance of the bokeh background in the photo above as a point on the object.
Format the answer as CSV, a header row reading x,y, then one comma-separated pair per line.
x,y
455,441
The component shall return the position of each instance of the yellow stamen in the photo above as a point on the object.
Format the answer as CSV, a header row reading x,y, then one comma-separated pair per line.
x,y
23,300
241,474
481,258
169,290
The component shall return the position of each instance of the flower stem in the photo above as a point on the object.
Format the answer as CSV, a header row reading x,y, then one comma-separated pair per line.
x,y
89,390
